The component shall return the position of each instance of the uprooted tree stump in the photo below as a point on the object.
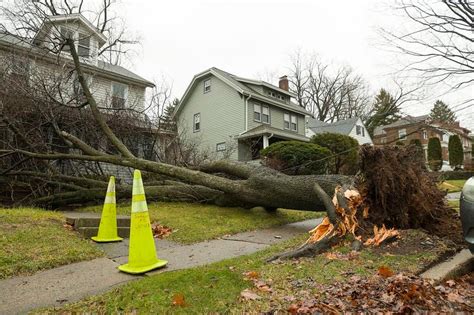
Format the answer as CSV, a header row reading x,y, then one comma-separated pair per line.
x,y
392,191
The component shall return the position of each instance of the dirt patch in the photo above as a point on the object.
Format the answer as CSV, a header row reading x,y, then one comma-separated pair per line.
x,y
417,241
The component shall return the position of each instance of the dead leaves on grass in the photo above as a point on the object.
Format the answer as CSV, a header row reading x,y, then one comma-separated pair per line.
x,y
160,231
178,300
396,293
260,285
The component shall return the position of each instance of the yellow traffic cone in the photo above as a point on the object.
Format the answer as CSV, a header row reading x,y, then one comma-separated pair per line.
x,y
108,220
141,253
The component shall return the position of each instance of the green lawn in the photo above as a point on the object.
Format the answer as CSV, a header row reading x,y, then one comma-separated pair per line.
x,y
35,239
193,222
454,204
453,185
216,288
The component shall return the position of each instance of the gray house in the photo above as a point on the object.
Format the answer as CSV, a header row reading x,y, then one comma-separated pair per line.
x,y
226,116
349,127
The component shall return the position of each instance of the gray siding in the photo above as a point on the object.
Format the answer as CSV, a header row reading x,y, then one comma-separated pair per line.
x,y
276,118
222,117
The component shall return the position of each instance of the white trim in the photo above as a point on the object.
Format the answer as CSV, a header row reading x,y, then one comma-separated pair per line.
x,y
75,16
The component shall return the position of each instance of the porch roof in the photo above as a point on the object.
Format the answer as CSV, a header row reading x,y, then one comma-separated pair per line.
x,y
268,130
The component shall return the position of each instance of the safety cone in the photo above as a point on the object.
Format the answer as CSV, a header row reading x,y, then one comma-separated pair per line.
x,y
141,252
108,221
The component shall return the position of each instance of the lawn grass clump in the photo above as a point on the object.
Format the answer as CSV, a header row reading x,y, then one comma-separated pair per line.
x,y
452,185
35,239
194,222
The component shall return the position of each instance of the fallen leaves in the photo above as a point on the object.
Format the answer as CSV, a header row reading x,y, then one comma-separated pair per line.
x,y
259,284
160,231
385,272
398,293
248,295
178,300
251,275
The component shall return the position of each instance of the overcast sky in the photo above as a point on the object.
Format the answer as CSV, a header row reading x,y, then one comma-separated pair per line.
x,y
251,38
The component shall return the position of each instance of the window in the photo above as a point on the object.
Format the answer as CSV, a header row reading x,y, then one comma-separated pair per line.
x,y
207,85
286,121
220,147
294,123
83,48
197,122
425,135
383,140
257,112
445,137
261,113
402,134
119,95
66,34
359,130
265,115
20,71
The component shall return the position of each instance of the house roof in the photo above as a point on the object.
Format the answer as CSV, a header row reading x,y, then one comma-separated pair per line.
x,y
268,130
8,40
266,84
239,85
65,18
407,120
342,126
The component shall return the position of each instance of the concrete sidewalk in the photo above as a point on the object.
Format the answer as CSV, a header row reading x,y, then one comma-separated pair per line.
x,y
76,281
453,196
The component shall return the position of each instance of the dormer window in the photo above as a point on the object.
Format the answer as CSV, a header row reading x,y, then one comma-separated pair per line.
x,y
83,47
66,34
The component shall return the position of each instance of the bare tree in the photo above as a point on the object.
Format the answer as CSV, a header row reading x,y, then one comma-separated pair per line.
x,y
329,94
439,40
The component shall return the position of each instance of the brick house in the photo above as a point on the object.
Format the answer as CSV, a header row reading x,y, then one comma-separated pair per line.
x,y
421,128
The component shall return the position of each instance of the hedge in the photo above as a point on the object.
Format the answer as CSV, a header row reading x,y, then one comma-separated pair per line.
x,y
435,157
344,149
296,157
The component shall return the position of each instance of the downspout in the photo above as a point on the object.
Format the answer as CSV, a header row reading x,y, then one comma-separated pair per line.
x,y
246,114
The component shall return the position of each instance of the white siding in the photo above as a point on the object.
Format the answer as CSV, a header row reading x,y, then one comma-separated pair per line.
x,y
361,139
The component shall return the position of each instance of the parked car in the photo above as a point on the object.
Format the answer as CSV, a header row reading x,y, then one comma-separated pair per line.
x,y
466,205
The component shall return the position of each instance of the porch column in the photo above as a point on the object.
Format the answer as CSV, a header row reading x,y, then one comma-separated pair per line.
x,y
265,141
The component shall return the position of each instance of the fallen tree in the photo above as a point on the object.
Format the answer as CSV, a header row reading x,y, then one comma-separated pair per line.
x,y
392,190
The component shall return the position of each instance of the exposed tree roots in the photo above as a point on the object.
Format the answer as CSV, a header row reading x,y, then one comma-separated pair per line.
x,y
394,191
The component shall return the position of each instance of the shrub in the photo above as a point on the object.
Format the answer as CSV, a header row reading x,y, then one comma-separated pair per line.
x,y
456,152
435,157
344,149
296,157
419,146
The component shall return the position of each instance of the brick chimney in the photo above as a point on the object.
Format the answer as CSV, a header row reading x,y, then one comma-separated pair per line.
x,y
283,83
